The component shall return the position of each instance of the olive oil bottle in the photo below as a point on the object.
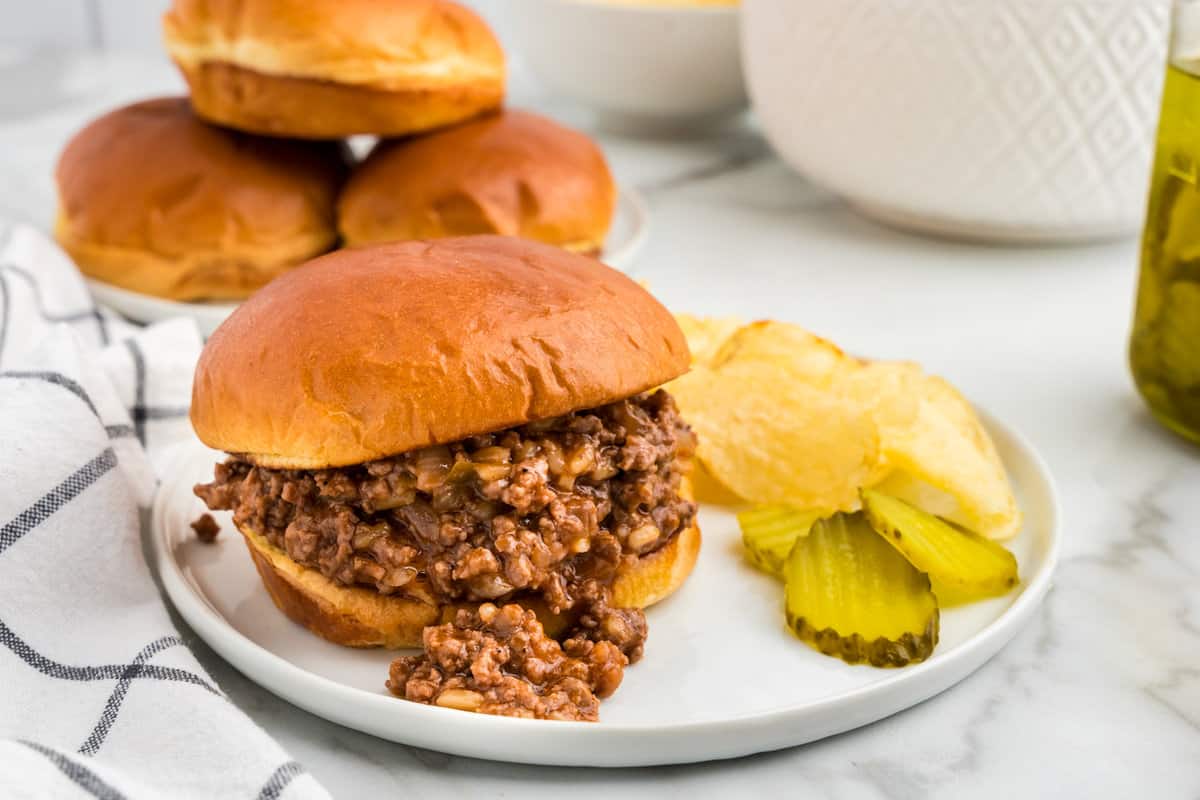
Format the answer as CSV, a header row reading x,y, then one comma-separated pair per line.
x,y
1165,347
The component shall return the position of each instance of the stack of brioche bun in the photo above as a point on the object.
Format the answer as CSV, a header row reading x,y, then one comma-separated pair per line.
x,y
511,173
324,69
211,196
154,200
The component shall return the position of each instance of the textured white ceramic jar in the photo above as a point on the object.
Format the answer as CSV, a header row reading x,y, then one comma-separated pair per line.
x,y
999,119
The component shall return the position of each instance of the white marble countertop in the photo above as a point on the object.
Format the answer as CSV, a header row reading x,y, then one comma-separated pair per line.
x,y
1098,697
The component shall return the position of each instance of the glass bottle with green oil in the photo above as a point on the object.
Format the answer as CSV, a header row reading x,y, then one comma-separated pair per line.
x,y
1164,350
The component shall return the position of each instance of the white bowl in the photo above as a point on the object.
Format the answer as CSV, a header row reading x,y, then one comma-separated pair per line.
x,y
1005,119
641,68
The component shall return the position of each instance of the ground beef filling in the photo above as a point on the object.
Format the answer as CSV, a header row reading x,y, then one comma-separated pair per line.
x,y
206,528
550,509
499,661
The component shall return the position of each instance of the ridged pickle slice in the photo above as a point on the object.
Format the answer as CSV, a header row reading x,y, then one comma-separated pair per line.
x,y
851,595
768,533
962,565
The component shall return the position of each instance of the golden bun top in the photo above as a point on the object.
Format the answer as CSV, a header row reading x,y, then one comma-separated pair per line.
x,y
370,352
385,44
151,182
512,173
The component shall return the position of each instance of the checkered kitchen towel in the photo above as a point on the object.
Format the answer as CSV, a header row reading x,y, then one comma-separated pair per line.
x,y
99,696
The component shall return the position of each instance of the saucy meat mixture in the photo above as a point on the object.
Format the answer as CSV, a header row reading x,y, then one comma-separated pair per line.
x,y
550,509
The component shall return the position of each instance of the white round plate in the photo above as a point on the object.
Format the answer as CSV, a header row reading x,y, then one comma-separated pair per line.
x,y
627,234
721,677
147,308
625,238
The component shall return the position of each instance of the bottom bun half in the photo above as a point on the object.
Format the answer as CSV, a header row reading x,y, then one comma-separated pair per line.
x,y
357,616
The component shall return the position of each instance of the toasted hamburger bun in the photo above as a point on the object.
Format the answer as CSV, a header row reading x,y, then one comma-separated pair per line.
x,y
325,69
511,173
357,616
155,200
373,351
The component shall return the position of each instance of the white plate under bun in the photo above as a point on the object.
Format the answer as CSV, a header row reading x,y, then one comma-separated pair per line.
x,y
625,239
643,68
721,676
147,308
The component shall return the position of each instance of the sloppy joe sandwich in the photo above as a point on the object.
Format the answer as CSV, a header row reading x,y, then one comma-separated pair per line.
x,y
325,69
459,444
511,173
155,200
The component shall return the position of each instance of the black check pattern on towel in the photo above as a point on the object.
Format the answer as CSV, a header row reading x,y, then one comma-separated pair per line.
x,y
119,431
100,672
135,383
56,498
125,674
21,525
56,378
112,708
280,779
141,412
89,313
82,776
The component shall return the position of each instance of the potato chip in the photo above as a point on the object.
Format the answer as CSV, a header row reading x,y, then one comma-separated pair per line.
x,y
773,439
707,489
790,348
945,463
705,335
689,391
891,389
779,411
